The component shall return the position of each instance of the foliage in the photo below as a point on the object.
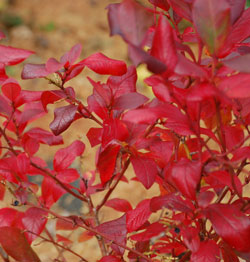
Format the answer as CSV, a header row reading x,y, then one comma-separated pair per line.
x,y
191,139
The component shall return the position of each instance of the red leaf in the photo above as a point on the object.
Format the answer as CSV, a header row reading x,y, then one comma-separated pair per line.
x,y
114,129
116,229
191,238
68,175
52,65
182,8
11,89
16,245
107,161
234,136
118,204
44,136
151,231
236,86
171,201
129,101
241,153
163,4
94,136
34,71
64,157
130,20
5,108
8,216
104,65
239,63
72,55
145,170
138,216
237,8
205,198
186,176
212,21
124,84
63,239
62,224
163,46
207,252
110,259
12,56
63,117
232,225
34,220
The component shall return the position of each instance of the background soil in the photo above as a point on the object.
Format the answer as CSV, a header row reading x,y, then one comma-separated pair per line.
x,y
51,28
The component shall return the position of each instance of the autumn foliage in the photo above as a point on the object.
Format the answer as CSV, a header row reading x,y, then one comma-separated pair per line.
x,y
191,138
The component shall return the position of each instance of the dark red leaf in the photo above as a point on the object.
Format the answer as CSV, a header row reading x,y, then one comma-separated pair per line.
x,y
234,136
186,176
171,201
104,65
116,230
138,216
129,101
107,161
63,117
64,157
163,46
119,204
191,238
130,20
34,220
16,245
205,198
232,225
11,89
212,21
207,252
145,170
12,56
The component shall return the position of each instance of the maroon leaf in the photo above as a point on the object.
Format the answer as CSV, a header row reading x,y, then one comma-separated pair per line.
x,y
138,216
130,20
145,170
186,176
63,117
34,71
16,245
103,65
116,230
163,46
34,220
207,252
212,21
232,225
11,89
64,157
12,56
171,201
107,161
129,101
119,204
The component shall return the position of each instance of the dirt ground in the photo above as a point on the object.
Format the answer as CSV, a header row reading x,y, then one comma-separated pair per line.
x,y
50,28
